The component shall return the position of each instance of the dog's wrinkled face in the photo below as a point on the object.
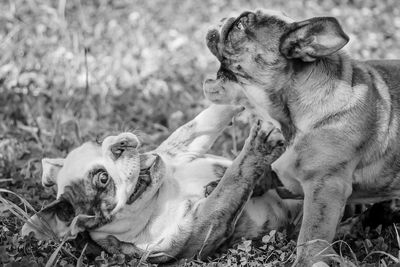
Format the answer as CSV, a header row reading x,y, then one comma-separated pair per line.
x,y
259,48
94,182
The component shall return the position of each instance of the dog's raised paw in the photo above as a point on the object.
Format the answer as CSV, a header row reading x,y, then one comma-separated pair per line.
x,y
214,91
255,131
265,139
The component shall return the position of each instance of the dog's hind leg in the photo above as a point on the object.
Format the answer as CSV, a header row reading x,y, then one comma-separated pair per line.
x,y
215,216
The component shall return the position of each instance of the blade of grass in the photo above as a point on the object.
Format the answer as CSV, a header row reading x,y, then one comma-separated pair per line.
x,y
393,258
398,240
44,228
79,262
53,258
23,216
24,201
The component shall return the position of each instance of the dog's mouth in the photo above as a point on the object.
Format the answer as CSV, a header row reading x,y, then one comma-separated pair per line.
x,y
148,167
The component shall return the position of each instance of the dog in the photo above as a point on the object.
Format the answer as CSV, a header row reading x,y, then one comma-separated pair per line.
x,y
339,116
167,215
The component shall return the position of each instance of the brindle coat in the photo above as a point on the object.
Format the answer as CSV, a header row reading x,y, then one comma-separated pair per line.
x,y
340,116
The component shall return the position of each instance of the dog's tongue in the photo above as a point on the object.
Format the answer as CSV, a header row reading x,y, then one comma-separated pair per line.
x,y
147,160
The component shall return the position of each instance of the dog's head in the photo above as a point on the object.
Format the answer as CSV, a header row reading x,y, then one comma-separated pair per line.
x,y
94,182
262,48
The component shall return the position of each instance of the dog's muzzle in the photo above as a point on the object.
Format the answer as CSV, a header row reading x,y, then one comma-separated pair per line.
x,y
121,153
217,36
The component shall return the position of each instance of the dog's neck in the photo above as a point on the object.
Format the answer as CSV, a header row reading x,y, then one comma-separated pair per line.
x,y
320,74
309,83
132,222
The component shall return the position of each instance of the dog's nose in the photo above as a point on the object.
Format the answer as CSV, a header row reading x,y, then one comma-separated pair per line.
x,y
124,141
212,40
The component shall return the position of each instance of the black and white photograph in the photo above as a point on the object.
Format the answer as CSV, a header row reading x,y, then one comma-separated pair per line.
x,y
204,133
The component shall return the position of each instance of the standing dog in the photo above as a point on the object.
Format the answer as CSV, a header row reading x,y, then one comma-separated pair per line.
x,y
339,116
167,216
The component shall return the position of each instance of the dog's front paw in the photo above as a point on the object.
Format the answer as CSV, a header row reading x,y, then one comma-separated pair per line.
x,y
303,260
314,255
216,93
265,141
303,263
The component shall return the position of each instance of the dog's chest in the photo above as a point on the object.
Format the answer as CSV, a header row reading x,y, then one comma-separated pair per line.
x,y
178,199
172,224
193,173
262,104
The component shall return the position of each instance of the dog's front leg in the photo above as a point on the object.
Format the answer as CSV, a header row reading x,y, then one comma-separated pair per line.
x,y
215,216
323,169
324,201
199,134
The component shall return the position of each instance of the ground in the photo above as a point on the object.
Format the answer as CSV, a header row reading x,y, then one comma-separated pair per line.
x,y
76,70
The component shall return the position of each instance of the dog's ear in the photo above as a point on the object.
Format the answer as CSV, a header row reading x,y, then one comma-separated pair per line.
x,y
55,220
313,38
50,169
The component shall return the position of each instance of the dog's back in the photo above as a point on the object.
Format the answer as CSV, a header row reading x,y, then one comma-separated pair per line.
x,y
390,71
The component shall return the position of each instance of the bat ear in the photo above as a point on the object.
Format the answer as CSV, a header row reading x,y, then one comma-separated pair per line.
x,y
313,38
53,221
50,169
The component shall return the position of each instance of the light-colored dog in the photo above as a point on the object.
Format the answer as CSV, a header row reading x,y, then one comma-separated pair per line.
x,y
167,212
340,116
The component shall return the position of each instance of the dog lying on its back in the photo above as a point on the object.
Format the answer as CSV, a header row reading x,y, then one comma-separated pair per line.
x,y
340,117
167,212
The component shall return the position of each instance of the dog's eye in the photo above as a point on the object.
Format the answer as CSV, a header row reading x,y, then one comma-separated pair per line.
x,y
102,178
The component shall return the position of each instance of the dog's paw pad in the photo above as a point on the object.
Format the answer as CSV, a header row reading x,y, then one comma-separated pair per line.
x,y
209,188
214,91
263,133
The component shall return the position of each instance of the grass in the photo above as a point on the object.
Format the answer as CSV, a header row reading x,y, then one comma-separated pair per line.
x,y
77,70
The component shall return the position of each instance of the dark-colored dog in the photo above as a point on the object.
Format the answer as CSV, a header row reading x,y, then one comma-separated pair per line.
x,y
339,116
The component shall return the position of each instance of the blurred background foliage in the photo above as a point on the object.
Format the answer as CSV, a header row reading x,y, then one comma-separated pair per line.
x,y
74,70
